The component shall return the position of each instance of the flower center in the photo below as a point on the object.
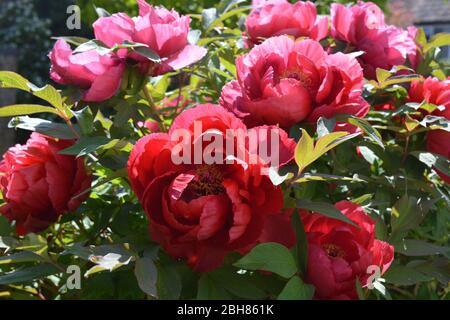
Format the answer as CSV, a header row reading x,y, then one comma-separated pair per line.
x,y
298,75
208,181
333,250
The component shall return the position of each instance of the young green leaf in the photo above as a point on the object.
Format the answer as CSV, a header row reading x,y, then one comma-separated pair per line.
x,y
272,257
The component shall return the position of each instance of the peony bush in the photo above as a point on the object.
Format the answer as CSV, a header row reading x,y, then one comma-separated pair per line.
x,y
254,151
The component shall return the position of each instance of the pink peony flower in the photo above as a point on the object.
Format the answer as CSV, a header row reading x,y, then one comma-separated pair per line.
x,y
163,31
279,17
363,28
98,75
285,82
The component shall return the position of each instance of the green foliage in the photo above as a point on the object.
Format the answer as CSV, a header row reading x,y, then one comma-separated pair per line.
x,y
391,176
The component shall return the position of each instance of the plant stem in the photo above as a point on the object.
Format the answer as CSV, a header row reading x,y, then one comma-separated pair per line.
x,y
152,105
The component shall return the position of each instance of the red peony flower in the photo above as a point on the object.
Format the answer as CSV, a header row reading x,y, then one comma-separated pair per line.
x,y
279,17
98,75
201,211
434,91
39,184
438,141
363,28
285,82
163,31
339,253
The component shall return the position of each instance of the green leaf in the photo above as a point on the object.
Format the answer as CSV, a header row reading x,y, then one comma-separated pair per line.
x,y
97,45
325,209
26,256
407,214
434,160
404,276
28,274
438,269
306,177
296,289
272,257
49,94
85,120
72,40
208,16
102,13
147,275
208,289
360,290
9,79
56,130
24,109
169,282
301,246
85,146
438,40
5,225
148,53
364,126
416,248
382,75
325,126
240,285
306,152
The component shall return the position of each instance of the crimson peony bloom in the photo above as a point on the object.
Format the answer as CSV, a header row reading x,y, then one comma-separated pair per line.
x,y
39,184
98,75
432,90
363,28
339,253
285,82
201,211
437,92
163,31
438,141
279,17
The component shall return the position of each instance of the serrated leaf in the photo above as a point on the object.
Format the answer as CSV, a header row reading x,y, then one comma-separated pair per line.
x,y
272,257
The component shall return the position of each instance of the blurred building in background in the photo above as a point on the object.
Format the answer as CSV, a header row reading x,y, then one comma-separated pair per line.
x,y
432,15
